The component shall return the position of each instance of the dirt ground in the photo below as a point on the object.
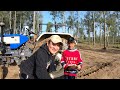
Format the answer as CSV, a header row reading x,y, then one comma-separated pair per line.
x,y
97,64
100,64
13,72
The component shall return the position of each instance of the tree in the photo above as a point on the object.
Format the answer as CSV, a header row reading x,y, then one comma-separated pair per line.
x,y
10,19
54,17
15,23
88,25
34,15
104,16
49,26
61,15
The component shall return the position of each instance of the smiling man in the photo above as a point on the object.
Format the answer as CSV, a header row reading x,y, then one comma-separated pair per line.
x,y
40,64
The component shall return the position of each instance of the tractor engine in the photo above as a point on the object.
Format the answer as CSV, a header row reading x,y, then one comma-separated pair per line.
x,y
15,49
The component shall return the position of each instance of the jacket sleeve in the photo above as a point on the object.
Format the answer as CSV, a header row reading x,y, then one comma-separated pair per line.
x,y
27,66
80,61
35,66
63,59
41,66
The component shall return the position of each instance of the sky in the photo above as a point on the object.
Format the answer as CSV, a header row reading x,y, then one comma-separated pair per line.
x,y
48,18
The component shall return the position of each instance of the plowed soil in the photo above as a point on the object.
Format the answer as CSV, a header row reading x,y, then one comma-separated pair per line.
x,y
97,64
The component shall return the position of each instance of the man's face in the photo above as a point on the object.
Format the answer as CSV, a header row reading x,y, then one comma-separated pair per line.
x,y
53,47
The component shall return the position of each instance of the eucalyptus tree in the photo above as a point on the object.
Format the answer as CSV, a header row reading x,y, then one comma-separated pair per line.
x,y
93,17
71,19
34,22
69,23
15,31
4,17
104,17
10,13
110,24
117,15
22,18
54,18
39,20
88,24
80,30
49,27
29,20
61,15
16,19
76,24
100,21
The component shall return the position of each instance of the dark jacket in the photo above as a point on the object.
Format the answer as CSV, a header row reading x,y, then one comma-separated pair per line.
x,y
35,66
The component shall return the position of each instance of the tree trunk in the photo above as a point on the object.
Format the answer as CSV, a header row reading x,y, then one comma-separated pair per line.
x,y
34,15
113,40
93,33
104,31
118,38
56,27
20,25
100,34
10,20
15,23
63,27
88,36
108,37
93,30
38,27
77,25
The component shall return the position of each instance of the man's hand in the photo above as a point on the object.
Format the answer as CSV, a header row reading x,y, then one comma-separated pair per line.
x,y
51,75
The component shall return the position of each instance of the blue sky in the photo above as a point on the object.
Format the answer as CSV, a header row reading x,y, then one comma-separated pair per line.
x,y
48,18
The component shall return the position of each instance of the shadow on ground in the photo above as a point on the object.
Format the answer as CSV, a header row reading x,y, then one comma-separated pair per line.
x,y
5,71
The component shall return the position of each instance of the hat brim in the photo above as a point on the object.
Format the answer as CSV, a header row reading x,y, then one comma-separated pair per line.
x,y
57,42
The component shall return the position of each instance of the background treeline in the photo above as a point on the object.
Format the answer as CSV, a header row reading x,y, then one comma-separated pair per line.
x,y
94,27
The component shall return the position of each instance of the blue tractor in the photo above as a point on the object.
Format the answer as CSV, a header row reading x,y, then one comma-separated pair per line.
x,y
13,47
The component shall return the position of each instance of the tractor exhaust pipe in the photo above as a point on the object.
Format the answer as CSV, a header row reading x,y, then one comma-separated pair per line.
x,y
2,42
1,31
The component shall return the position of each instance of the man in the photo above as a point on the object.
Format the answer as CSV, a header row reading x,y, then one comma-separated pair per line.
x,y
41,63
71,60
31,44
32,41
